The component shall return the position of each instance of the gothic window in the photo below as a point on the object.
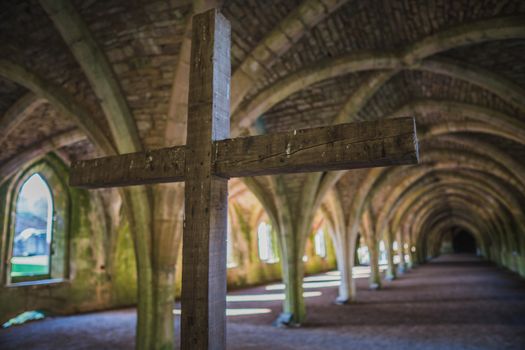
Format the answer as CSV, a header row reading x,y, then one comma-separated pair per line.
x,y
265,239
38,224
33,230
363,256
320,244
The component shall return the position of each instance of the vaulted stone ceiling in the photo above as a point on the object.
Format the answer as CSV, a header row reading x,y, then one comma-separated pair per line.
x,y
143,43
457,66
92,78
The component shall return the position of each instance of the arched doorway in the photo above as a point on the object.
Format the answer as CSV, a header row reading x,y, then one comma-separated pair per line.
x,y
464,242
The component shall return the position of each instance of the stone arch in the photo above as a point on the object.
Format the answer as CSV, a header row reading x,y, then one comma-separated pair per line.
x,y
468,189
421,220
59,99
414,192
16,114
38,151
98,71
512,126
425,189
481,31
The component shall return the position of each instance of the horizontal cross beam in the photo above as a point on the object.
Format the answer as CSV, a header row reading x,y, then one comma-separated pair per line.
x,y
344,146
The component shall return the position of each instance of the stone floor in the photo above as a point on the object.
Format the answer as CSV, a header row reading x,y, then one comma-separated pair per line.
x,y
454,302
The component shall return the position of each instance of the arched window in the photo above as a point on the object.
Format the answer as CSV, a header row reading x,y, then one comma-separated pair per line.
x,y
320,244
363,256
37,226
265,242
33,230
397,252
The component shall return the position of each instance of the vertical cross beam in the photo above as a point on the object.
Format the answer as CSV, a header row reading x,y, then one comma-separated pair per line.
x,y
203,319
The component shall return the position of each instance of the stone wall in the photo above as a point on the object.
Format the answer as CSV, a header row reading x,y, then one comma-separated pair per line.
x,y
96,275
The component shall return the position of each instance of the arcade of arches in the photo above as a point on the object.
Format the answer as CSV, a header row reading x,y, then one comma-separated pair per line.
x,y
85,79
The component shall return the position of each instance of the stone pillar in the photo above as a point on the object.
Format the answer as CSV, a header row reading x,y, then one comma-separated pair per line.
x,y
391,268
164,294
401,267
294,311
408,250
510,261
375,275
521,265
345,263
414,258
291,245
140,228
294,222
167,225
497,254
521,256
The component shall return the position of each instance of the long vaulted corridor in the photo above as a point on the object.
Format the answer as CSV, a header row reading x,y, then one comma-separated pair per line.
x,y
453,302
262,174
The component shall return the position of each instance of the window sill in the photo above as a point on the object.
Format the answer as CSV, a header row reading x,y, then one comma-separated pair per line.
x,y
46,282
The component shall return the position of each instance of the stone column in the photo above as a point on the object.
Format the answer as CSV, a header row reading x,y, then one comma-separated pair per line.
x,y
401,267
294,311
291,245
375,275
521,265
167,225
391,268
345,263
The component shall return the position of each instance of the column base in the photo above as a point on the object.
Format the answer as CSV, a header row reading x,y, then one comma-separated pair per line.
x,y
285,320
374,286
343,301
390,277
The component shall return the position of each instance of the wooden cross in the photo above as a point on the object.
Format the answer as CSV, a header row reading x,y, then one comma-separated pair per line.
x,y
210,158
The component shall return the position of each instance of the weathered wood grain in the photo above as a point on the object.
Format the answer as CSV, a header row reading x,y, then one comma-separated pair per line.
x,y
164,165
338,147
203,300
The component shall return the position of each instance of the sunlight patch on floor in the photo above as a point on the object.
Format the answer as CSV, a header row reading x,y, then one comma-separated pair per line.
x,y
310,285
321,278
267,297
325,280
328,279
326,284
238,312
